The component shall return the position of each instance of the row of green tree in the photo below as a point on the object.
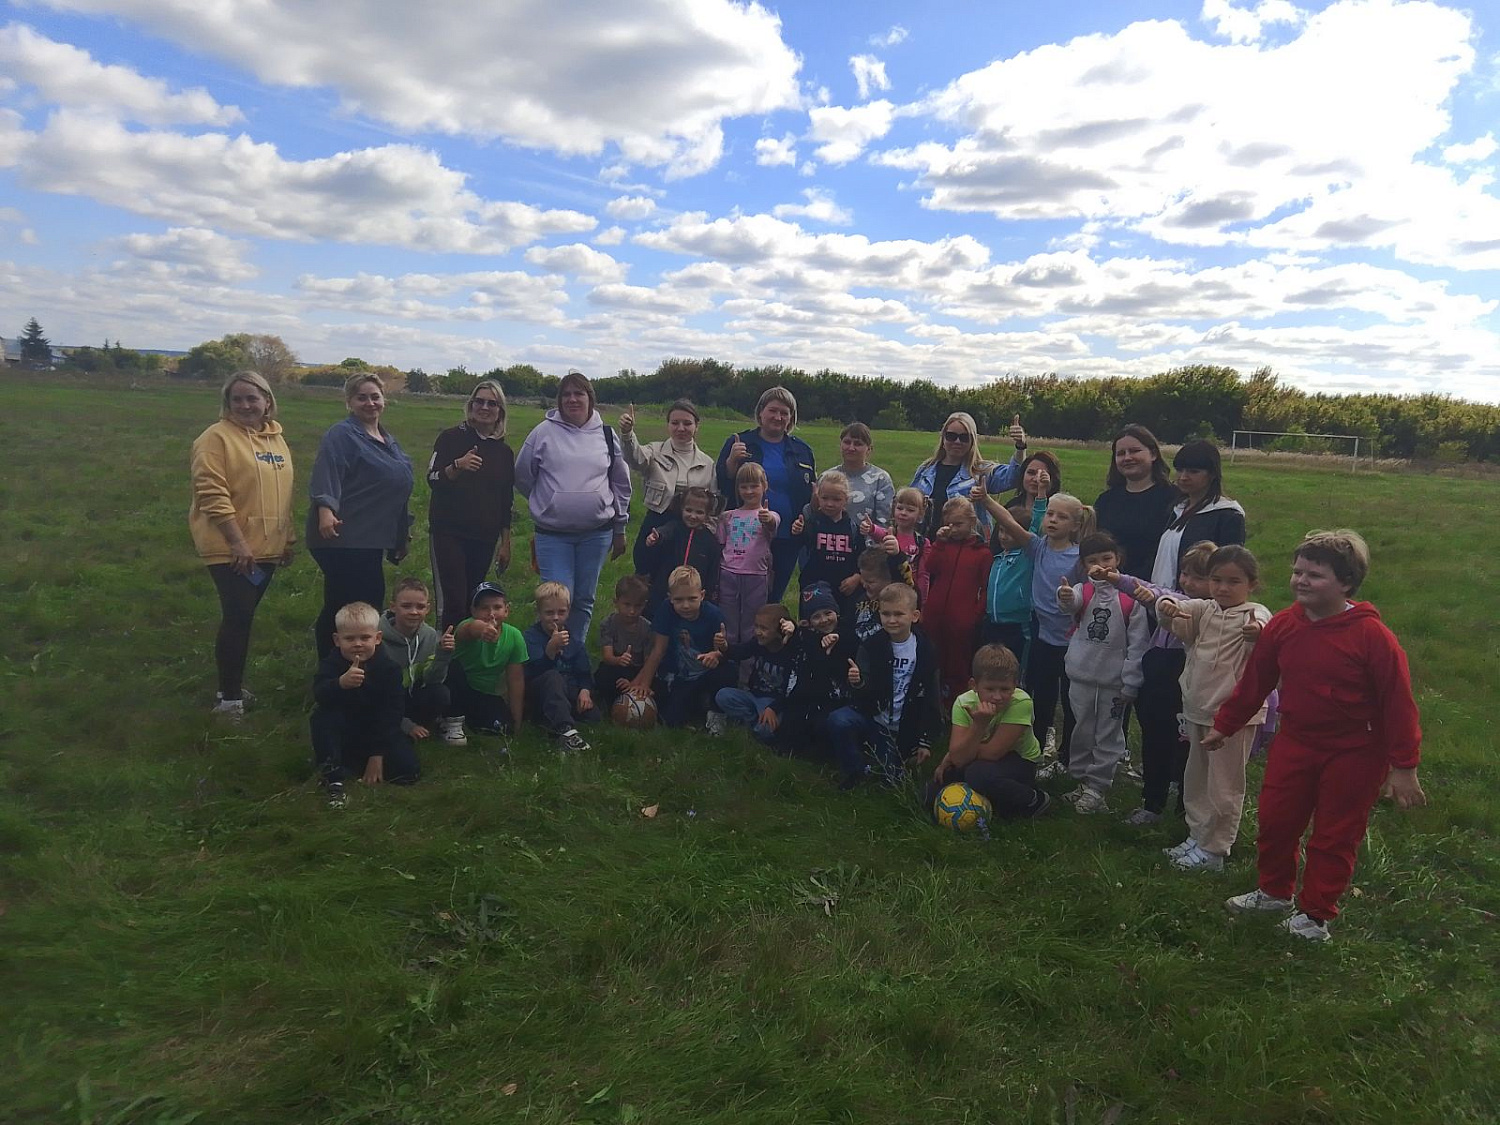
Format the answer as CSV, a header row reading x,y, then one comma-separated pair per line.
x,y
1176,405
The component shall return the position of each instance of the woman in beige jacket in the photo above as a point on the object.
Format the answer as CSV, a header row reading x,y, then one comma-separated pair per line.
x,y
668,469
241,518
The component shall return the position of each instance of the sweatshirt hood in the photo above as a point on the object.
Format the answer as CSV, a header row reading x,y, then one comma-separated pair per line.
x,y
1355,615
1222,504
594,422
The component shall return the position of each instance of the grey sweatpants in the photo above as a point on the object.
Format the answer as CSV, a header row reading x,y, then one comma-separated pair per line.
x,y
1098,742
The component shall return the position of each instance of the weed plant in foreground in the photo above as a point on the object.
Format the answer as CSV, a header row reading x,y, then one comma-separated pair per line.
x,y
187,934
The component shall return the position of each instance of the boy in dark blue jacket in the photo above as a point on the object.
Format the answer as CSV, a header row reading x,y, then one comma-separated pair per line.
x,y
761,705
559,681
688,540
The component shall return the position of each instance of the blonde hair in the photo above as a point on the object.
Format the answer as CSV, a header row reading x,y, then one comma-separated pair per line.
x,y
359,379
912,498
1343,550
751,471
898,592
1195,559
959,504
551,591
1086,521
834,478
976,463
781,395
354,614
490,385
256,380
685,577
996,662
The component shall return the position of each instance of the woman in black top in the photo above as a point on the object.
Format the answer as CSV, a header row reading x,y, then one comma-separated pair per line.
x,y
472,476
1136,504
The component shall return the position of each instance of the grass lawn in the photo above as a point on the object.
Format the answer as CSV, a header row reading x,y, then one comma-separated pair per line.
x,y
186,933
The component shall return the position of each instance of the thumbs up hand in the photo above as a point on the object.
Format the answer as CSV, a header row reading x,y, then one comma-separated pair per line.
x,y
626,659
354,677
854,677
446,642
653,537
627,420
797,525
766,515
721,640
1065,593
470,462
1251,631
739,452
489,632
1017,433
556,643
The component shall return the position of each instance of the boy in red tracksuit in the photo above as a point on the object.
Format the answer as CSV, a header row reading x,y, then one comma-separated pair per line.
x,y
951,580
1348,720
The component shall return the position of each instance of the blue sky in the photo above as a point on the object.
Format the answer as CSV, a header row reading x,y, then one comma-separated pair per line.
x,y
953,191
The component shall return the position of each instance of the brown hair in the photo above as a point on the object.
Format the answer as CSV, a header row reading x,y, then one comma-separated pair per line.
x,y
1233,554
773,613
1054,472
699,494
1099,542
1115,478
859,432
1342,550
256,380
632,588
415,585
996,662
576,379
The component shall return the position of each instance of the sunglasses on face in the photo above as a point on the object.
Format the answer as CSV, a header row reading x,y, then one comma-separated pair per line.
x,y
961,437
484,404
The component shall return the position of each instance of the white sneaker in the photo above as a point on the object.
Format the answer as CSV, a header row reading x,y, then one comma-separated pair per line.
x,y
1198,860
1256,901
715,723
453,732
1090,801
571,742
1300,925
1051,770
1142,817
1180,849
246,696
231,710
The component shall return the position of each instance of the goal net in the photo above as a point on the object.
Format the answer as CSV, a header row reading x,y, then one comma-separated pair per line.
x,y
1336,447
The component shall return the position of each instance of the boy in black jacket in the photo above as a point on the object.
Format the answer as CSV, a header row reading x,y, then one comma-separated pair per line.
x,y
761,705
689,540
896,709
821,650
359,701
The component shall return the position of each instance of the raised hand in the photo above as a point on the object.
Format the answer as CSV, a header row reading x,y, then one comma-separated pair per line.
x,y
627,420
788,627
854,677
739,452
1104,574
1251,631
889,544
721,640
797,525
1017,434
850,584
446,643
626,659
353,677
1166,609
829,640
866,525
653,537
766,515
1065,593
489,632
556,643
978,491
470,462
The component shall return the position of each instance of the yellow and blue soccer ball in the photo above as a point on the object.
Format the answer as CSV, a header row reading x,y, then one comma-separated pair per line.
x,y
960,808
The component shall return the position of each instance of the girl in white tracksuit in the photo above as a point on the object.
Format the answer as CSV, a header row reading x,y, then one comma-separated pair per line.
x,y
1219,631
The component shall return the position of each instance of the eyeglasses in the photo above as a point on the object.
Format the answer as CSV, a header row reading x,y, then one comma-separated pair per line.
x,y
484,404
959,436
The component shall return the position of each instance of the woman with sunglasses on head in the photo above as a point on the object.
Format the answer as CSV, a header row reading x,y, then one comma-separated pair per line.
x,y
472,475
956,464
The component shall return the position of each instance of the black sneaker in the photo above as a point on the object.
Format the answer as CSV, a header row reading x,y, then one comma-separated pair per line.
x,y
1041,806
337,798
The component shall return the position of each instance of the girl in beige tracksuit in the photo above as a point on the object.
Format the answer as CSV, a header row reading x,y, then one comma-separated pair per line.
x,y
1219,632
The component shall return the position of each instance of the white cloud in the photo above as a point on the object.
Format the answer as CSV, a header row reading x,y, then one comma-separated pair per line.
x,y
771,152
1214,144
869,74
578,260
652,80
395,195
65,75
630,207
820,207
897,34
611,236
844,133
489,295
1479,149
1245,25
193,252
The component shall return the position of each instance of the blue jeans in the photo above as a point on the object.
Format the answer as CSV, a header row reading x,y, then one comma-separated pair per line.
x,y
785,555
743,709
576,560
848,731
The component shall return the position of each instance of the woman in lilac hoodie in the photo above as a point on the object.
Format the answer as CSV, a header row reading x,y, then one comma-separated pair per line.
x,y
577,485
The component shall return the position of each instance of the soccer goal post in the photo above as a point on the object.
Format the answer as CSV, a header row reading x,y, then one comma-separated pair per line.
x,y
1280,441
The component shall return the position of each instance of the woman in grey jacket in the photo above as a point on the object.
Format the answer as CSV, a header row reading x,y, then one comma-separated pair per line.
x,y
668,469
361,488
577,485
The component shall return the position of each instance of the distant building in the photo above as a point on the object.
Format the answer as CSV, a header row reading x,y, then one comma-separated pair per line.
x,y
12,350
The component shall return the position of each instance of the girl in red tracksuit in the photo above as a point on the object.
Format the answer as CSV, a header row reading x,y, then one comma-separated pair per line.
x,y
950,581
1348,720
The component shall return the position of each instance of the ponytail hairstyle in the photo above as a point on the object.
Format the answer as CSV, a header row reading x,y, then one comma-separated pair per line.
x,y
1086,523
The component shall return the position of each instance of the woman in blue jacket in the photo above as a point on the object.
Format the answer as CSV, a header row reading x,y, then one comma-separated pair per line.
x,y
956,464
790,472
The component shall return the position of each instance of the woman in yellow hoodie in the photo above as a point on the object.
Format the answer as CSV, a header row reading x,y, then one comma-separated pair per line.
x,y
241,518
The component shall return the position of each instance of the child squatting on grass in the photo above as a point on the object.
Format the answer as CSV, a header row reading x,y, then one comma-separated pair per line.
x,y
1219,632
487,678
624,641
358,703
992,748
1348,722
685,646
559,681
422,654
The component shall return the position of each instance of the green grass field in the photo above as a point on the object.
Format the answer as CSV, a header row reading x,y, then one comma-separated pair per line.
x,y
186,933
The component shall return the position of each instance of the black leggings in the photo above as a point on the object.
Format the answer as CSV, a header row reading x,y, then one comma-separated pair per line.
x,y
1047,681
238,599
458,566
1163,751
350,574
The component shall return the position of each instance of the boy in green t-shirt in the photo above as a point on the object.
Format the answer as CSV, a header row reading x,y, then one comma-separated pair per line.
x,y
487,677
992,748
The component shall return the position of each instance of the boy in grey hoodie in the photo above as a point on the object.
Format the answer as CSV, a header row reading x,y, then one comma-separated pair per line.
x,y
421,653
1110,635
577,486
